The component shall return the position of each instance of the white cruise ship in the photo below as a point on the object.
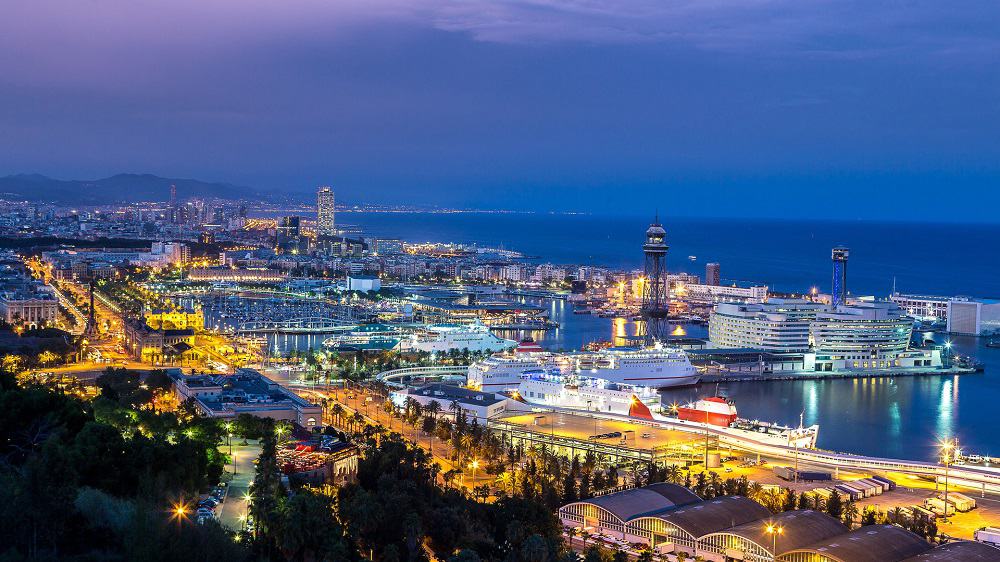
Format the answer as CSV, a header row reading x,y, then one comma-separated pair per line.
x,y
446,337
641,368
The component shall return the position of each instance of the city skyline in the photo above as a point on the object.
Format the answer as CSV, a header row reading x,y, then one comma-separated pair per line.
x,y
537,106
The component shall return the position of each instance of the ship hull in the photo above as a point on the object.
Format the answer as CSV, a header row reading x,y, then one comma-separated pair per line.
x,y
701,416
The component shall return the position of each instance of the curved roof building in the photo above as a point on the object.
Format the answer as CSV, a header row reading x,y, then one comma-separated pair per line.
x,y
873,543
959,551
752,541
612,511
685,525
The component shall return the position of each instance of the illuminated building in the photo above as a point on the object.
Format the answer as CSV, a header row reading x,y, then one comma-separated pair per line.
x,y
235,275
288,235
245,392
779,325
712,274
325,212
175,319
839,292
866,335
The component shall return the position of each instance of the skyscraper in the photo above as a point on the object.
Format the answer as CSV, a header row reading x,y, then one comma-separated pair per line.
x,y
712,274
325,214
288,235
839,289
655,306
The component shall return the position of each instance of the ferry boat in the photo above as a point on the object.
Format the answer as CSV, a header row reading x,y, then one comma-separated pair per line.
x,y
713,410
653,367
367,337
440,338
448,337
549,387
718,412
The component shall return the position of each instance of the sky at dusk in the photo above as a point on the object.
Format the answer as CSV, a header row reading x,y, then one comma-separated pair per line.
x,y
832,109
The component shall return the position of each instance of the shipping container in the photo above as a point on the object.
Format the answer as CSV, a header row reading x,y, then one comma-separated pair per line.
x,y
850,492
988,535
962,502
879,487
863,491
892,485
783,472
813,475
938,506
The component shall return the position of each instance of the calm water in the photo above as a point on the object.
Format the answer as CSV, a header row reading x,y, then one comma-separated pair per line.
x,y
898,417
945,259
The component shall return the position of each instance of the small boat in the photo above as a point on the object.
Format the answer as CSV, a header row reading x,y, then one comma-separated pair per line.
x,y
693,258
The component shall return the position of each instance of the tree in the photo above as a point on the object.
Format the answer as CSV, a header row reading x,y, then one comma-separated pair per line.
x,y
790,500
850,514
835,506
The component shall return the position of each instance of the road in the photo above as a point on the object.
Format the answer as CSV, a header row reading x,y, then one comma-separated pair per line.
x,y
234,507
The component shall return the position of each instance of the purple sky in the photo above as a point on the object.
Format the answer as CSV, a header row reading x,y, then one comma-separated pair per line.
x,y
705,107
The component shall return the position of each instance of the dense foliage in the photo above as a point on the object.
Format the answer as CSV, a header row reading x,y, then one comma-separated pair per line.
x,y
97,481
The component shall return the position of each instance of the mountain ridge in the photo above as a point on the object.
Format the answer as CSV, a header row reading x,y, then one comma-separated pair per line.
x,y
118,188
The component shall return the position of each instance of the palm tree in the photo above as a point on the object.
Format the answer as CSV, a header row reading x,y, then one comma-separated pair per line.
x,y
674,474
390,409
573,531
456,409
357,419
505,480
433,408
337,411
850,514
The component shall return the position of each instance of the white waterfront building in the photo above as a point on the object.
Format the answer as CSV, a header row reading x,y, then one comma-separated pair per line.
x,y
863,335
776,325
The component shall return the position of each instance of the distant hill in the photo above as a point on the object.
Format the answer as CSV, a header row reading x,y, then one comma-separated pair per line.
x,y
121,188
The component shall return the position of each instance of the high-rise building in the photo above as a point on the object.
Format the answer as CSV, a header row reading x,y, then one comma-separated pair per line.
x,y
655,305
325,214
712,274
839,289
288,235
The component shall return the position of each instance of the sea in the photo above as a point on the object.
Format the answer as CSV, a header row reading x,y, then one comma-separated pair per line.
x,y
900,417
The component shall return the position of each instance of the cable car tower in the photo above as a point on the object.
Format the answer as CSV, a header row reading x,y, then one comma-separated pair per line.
x,y
655,302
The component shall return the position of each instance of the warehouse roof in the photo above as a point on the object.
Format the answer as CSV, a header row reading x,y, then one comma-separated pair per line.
x,y
800,527
872,543
711,516
637,502
959,551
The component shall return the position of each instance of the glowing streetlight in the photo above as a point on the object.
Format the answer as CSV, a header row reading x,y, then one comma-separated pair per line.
x,y
949,452
774,531
179,511
474,465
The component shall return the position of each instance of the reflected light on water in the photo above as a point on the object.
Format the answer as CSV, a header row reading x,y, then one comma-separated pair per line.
x,y
945,423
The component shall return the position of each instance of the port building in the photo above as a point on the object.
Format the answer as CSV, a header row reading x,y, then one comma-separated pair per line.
x,y
779,325
672,520
871,543
799,335
612,512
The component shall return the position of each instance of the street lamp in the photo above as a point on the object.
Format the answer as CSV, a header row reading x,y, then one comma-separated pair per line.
x,y
949,451
229,436
474,465
774,531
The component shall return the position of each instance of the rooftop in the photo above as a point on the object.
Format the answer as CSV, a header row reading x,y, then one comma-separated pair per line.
x,y
959,551
638,502
712,516
872,543
801,527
